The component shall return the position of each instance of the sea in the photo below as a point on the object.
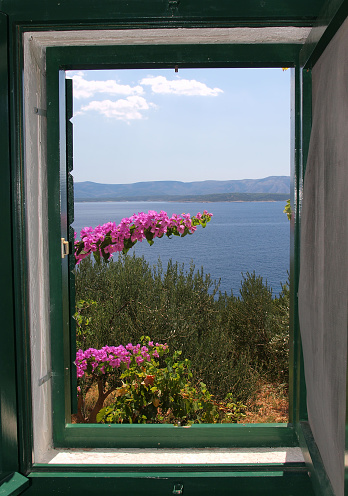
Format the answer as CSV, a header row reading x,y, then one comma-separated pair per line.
x,y
241,237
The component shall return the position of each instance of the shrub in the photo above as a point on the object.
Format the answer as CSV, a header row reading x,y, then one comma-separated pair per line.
x,y
147,391
231,342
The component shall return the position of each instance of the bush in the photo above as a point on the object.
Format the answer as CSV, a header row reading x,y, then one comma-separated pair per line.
x,y
258,324
147,387
231,342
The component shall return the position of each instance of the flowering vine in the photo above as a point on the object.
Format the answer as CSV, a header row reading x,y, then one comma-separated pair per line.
x,y
145,389
109,358
104,240
108,367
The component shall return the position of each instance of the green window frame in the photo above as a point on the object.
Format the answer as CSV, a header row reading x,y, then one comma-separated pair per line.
x,y
65,434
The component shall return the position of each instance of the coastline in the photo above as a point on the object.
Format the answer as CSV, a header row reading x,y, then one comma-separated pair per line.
x,y
232,198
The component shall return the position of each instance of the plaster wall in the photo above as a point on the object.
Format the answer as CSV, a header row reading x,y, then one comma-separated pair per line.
x,y
37,252
323,288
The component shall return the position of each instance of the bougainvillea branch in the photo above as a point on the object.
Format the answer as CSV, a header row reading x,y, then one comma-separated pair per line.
x,y
107,366
109,358
109,238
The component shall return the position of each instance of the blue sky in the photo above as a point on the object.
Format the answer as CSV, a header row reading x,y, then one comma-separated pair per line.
x,y
197,124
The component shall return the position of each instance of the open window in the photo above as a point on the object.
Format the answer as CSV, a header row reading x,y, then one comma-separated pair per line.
x,y
60,213
166,132
33,257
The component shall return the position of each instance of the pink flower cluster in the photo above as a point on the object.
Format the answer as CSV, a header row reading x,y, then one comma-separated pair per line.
x,y
109,358
109,238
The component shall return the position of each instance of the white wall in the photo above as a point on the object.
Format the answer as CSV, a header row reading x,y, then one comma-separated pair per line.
x,y
37,247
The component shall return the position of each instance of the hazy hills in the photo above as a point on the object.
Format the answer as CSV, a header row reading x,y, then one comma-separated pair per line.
x,y
268,188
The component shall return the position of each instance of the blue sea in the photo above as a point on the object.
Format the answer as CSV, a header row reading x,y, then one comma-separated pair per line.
x,y
241,237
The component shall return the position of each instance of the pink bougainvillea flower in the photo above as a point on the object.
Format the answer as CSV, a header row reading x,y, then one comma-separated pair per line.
x,y
107,359
103,241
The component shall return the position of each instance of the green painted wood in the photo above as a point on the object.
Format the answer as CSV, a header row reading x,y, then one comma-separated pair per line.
x,y
8,402
14,485
170,436
122,435
301,122
200,484
330,18
297,387
292,315
304,124
320,481
71,238
249,12
267,471
78,16
220,468
306,115
64,166
20,277
59,313
64,233
167,56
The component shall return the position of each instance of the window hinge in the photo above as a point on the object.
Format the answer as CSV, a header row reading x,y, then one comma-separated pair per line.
x,y
39,111
65,247
46,378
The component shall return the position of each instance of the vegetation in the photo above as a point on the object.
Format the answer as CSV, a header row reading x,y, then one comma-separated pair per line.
x,y
106,239
148,387
227,343
287,209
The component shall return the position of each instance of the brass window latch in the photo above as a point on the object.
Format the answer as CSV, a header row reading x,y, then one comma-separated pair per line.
x,y
64,247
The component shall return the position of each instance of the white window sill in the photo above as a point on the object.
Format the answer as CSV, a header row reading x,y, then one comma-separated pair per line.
x,y
205,456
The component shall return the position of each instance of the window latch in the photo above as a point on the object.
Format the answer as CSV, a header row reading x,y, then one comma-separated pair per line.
x,y
178,489
64,247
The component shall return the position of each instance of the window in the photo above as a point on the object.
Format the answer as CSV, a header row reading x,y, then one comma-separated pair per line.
x,y
65,58
182,131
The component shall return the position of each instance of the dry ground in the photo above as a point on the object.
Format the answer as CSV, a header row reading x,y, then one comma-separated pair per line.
x,y
270,404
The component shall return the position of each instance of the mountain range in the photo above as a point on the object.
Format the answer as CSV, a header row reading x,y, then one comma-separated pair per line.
x,y
271,186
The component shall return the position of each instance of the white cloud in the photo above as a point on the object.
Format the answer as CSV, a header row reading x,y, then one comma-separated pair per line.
x,y
87,89
189,87
127,109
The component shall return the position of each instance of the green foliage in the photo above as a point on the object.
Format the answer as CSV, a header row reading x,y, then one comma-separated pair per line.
x,y
279,338
231,342
82,318
165,394
262,326
251,317
287,209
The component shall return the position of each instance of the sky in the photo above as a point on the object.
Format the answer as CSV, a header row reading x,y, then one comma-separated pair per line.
x,y
197,124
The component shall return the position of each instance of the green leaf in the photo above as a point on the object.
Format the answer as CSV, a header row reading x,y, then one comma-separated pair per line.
x,y
96,255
